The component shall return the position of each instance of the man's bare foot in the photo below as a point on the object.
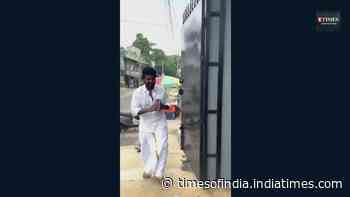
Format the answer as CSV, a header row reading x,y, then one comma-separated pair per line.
x,y
138,148
146,175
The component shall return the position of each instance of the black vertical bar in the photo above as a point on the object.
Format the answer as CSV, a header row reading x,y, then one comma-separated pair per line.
x,y
182,136
220,86
204,94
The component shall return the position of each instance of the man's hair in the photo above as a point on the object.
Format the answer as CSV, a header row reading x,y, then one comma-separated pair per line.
x,y
148,71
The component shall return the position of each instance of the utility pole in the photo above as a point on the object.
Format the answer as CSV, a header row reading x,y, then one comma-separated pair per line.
x,y
171,19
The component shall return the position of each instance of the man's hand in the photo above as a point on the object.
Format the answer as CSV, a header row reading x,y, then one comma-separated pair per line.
x,y
146,110
154,107
163,107
157,105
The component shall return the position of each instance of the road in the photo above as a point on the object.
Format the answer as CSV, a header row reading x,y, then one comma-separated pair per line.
x,y
125,99
131,169
130,137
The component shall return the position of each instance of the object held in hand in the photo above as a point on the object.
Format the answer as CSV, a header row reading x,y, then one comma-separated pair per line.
x,y
172,108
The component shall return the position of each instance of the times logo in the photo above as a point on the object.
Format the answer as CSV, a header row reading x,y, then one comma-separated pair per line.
x,y
324,20
328,21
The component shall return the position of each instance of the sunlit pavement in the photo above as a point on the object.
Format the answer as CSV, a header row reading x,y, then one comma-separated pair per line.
x,y
131,167
125,99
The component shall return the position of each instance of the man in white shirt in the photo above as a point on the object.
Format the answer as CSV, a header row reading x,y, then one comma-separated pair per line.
x,y
147,102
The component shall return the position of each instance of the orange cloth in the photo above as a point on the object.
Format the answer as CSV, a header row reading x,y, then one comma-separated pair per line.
x,y
172,108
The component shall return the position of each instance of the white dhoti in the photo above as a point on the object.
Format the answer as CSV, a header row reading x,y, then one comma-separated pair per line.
x,y
154,151
153,130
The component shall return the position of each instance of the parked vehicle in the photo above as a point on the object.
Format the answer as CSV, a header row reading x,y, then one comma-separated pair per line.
x,y
127,121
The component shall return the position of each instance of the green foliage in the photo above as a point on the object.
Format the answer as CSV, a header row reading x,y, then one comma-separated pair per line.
x,y
144,45
170,70
156,55
170,67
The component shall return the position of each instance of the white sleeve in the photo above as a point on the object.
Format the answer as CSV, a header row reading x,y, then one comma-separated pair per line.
x,y
135,104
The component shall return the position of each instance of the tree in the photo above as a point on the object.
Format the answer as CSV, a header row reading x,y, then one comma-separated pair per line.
x,y
158,56
144,45
170,70
170,67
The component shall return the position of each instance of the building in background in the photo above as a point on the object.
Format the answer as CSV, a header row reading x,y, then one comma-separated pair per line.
x,y
206,99
131,65
122,66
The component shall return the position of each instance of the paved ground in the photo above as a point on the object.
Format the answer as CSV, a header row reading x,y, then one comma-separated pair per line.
x,y
125,99
131,168
129,137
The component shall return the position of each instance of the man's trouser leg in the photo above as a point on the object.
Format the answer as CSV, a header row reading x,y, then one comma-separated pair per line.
x,y
162,148
148,152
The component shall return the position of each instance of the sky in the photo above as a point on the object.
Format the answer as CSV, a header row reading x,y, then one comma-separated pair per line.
x,y
151,18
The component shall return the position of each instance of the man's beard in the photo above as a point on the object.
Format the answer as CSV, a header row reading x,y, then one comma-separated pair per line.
x,y
150,86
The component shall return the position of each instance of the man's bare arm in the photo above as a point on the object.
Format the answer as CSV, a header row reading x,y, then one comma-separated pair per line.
x,y
148,109
145,110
